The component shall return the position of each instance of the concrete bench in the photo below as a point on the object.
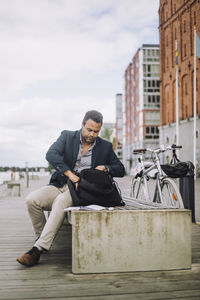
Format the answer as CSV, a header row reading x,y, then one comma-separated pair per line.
x,y
126,240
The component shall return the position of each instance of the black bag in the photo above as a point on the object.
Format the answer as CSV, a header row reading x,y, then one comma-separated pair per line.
x,y
95,187
177,168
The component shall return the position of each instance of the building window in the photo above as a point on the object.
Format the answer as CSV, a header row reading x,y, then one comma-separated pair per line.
x,y
184,26
162,15
151,101
186,111
152,132
167,40
151,86
175,7
195,18
175,34
167,62
185,50
150,55
186,91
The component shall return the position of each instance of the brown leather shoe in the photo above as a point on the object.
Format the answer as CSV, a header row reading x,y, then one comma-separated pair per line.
x,y
30,258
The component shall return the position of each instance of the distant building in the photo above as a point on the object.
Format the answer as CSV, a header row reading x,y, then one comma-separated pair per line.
x,y
177,22
119,126
141,103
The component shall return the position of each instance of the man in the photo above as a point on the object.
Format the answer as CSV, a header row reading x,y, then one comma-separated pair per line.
x,y
72,152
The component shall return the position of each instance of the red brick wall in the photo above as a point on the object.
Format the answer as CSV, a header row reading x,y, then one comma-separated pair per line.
x,y
132,100
177,21
128,110
135,101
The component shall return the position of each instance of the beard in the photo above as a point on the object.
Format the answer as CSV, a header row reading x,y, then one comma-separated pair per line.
x,y
88,140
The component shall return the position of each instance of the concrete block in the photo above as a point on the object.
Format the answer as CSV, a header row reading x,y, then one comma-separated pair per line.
x,y
130,240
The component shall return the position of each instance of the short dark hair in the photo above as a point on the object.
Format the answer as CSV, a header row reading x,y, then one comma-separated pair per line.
x,y
94,115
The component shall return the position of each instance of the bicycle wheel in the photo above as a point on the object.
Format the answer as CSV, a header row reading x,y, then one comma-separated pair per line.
x,y
138,189
171,196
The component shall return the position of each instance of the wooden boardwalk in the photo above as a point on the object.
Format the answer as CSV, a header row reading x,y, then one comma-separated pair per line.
x,y
52,277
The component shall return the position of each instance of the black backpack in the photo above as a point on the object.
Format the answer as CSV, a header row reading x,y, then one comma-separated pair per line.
x,y
95,187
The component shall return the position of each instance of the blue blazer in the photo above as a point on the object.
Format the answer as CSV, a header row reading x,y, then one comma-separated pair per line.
x,y
63,153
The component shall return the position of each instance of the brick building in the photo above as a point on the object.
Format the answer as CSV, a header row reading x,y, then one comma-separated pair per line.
x,y
177,19
141,103
119,126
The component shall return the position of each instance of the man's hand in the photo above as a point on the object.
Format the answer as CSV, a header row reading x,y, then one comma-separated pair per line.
x,y
101,168
74,178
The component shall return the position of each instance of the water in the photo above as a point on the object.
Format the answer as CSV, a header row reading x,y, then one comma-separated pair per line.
x,y
9,175
6,176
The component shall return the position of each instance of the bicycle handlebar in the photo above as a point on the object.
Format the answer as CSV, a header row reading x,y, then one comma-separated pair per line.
x,y
136,151
158,150
176,146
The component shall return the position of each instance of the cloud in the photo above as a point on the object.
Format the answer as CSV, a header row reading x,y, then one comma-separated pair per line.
x,y
47,40
27,130
60,58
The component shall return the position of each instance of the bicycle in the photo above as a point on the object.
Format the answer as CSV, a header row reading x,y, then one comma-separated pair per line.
x,y
165,191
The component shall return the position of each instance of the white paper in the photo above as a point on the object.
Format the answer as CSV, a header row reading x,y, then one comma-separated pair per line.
x,y
72,208
87,207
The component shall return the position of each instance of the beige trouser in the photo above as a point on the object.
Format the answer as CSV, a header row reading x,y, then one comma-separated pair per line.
x,y
51,199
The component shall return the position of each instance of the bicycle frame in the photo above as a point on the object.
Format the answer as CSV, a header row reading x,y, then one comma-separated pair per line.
x,y
145,178
165,191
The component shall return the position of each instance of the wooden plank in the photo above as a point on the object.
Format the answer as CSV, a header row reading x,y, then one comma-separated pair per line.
x,y
97,289
149,296
52,277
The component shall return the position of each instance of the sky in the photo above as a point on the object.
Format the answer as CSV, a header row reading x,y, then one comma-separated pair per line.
x,y
59,59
